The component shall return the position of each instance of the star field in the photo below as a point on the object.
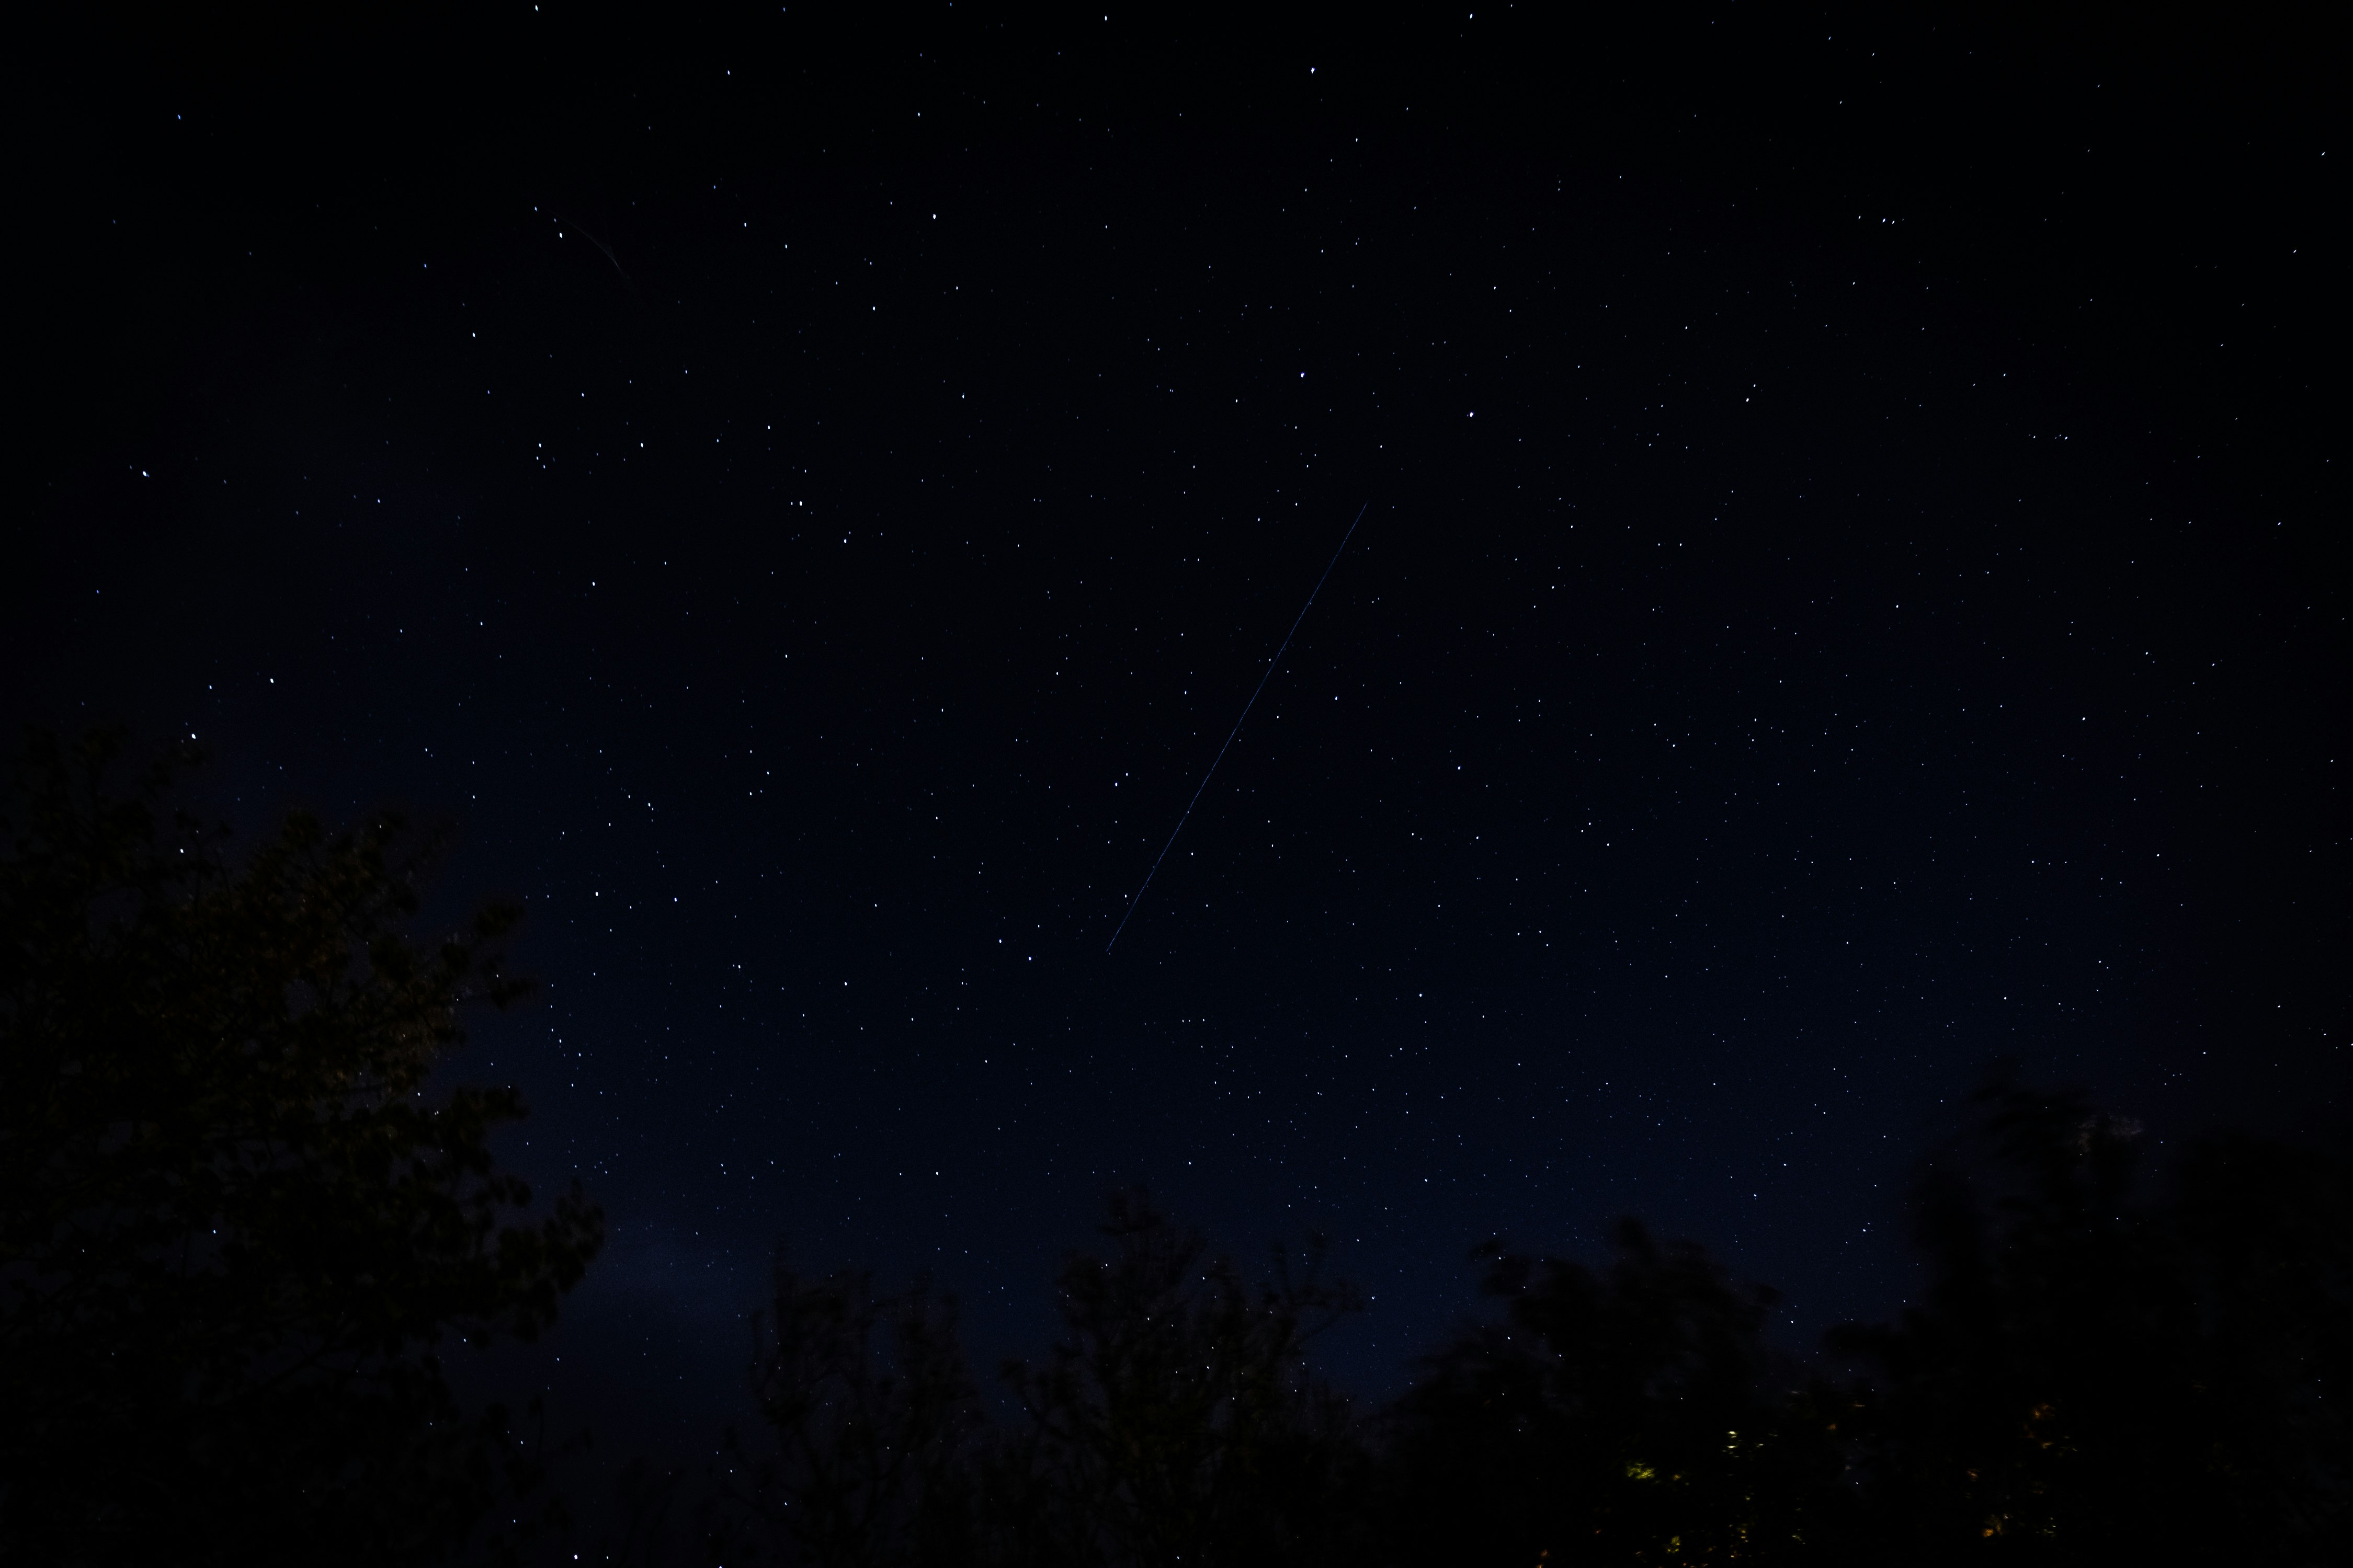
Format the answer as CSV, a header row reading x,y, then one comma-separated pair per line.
x,y
1794,652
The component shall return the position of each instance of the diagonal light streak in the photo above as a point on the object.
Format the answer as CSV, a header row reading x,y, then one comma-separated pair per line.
x,y
1237,728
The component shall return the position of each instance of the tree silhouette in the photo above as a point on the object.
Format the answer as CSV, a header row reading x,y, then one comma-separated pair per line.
x,y
876,1425
2097,1377
234,1226
2100,1371
1628,1415
1173,1423
2267,1232
1176,1420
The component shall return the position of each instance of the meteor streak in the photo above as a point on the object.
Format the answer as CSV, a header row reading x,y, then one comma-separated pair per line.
x,y
1237,728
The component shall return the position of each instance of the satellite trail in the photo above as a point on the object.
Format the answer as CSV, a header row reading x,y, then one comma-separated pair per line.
x,y
1237,728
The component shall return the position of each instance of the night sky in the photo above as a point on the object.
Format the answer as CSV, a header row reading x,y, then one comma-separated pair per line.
x,y
1841,596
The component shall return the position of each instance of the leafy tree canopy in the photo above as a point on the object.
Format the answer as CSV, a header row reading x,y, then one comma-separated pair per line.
x,y
234,1223
1174,1421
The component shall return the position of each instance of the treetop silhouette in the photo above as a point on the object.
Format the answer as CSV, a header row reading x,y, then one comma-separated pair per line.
x,y
236,1224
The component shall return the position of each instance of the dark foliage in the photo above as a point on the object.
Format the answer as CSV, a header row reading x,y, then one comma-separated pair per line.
x,y
874,1441
233,1231
1630,1415
2098,1377
1175,1422
2102,1370
234,1226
